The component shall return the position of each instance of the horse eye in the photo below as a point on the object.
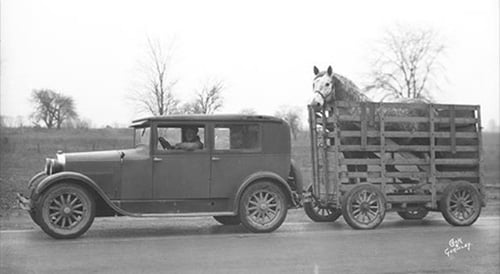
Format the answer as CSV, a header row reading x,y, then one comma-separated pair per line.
x,y
327,84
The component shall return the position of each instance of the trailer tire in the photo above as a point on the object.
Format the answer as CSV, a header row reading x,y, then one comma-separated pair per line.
x,y
460,204
364,207
321,214
414,214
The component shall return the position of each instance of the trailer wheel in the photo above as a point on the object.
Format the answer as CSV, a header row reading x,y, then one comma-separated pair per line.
x,y
364,207
66,211
460,204
414,214
263,207
228,220
319,213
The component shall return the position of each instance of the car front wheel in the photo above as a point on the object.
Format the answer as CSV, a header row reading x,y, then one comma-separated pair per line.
x,y
263,207
66,211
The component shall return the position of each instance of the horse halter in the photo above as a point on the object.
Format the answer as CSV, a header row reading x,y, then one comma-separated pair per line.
x,y
330,94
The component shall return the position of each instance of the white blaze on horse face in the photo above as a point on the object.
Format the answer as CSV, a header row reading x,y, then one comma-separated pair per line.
x,y
322,87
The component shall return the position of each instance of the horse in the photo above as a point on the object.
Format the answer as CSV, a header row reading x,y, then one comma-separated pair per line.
x,y
329,87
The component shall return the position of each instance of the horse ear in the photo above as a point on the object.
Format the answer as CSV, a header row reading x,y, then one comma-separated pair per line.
x,y
329,71
316,70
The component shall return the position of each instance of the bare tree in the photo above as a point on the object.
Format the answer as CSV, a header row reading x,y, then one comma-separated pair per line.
x,y
292,116
154,93
406,64
51,108
208,100
248,111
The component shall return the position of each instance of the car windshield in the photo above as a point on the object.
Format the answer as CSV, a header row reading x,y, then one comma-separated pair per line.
x,y
142,136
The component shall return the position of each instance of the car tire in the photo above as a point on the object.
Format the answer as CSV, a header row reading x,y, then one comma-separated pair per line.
x,y
228,220
66,211
460,204
364,207
263,207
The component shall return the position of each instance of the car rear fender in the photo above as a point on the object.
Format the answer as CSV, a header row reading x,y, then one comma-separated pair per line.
x,y
263,175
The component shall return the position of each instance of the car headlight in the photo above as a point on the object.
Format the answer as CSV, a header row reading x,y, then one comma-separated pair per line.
x,y
48,166
53,166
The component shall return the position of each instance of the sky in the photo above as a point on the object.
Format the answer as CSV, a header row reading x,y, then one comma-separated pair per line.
x,y
263,51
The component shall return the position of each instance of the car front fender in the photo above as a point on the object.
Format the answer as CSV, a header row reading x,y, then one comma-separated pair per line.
x,y
67,176
76,177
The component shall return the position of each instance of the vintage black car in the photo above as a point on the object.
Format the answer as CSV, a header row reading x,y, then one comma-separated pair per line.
x,y
236,168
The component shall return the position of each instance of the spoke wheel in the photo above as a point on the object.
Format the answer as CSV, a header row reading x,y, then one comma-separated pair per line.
x,y
318,213
67,211
228,220
364,207
460,204
263,207
414,214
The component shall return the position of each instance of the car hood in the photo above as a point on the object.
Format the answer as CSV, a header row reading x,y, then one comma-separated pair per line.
x,y
94,156
103,156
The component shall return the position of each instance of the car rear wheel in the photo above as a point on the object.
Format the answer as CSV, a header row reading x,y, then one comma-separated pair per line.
x,y
228,220
263,207
460,204
66,211
364,207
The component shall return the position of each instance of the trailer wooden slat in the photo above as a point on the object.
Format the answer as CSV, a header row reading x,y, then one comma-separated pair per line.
x,y
432,159
408,198
417,161
457,174
406,134
453,140
448,161
416,148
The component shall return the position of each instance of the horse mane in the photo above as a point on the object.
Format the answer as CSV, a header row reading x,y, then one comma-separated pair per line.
x,y
346,90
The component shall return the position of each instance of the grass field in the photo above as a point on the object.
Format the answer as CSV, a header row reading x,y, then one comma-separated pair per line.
x,y
23,152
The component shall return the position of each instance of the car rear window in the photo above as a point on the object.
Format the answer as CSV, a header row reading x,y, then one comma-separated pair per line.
x,y
237,137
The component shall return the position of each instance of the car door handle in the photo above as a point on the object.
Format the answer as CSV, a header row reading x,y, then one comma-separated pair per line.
x,y
156,159
215,158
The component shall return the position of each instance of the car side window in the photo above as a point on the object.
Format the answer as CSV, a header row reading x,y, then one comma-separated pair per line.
x,y
180,138
237,137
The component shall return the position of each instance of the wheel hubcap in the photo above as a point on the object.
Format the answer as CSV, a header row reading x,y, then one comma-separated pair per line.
x,y
263,207
365,207
66,210
461,205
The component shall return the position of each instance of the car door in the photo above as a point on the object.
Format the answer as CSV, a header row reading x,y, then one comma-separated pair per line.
x,y
237,153
180,174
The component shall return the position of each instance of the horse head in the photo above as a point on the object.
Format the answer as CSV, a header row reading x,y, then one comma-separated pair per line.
x,y
323,86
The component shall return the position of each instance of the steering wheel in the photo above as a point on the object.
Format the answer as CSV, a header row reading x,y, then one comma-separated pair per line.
x,y
164,143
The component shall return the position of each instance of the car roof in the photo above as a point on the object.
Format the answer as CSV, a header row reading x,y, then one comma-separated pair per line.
x,y
207,118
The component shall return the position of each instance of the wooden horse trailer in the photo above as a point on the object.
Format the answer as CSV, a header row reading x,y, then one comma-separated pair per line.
x,y
370,158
